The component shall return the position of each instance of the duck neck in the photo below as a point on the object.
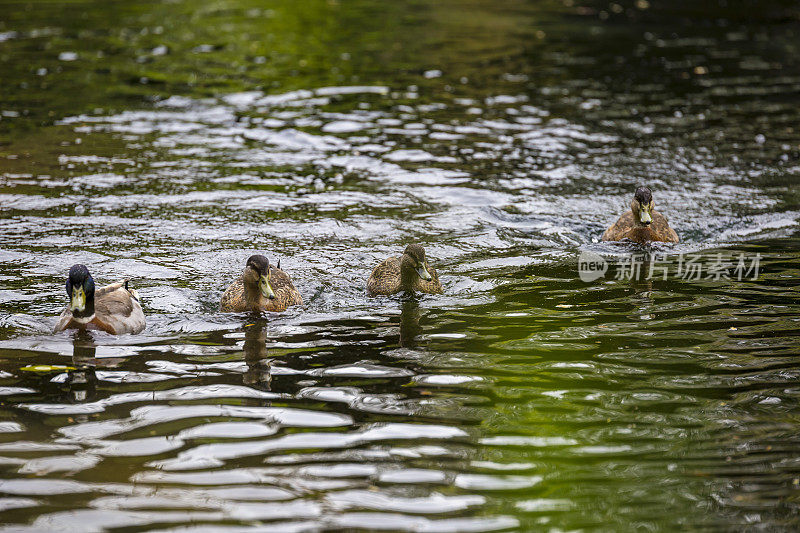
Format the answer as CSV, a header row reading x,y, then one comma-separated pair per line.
x,y
408,274
252,294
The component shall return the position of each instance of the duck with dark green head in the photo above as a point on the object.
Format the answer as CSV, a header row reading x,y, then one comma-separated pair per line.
x,y
261,287
642,223
407,273
114,308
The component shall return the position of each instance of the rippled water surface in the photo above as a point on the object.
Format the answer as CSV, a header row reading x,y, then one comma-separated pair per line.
x,y
167,142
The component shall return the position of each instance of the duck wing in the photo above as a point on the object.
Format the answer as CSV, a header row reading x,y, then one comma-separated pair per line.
x,y
661,229
63,320
117,309
620,228
433,286
285,292
233,300
385,278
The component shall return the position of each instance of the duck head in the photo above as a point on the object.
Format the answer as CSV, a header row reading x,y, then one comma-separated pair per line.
x,y
413,260
80,289
257,274
642,206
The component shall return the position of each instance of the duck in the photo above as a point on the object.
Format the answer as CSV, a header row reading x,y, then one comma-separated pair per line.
x,y
261,287
114,308
407,273
642,224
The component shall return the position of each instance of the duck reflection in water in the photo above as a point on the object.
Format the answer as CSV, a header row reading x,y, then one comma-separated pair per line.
x,y
81,382
256,356
409,322
643,268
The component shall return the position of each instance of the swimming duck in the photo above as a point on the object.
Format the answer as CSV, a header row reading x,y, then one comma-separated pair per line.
x,y
261,287
410,272
114,308
642,223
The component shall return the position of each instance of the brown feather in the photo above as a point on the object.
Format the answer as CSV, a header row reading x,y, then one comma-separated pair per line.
x,y
387,278
626,228
239,298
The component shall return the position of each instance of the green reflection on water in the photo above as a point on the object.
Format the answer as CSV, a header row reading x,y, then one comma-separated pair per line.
x,y
115,54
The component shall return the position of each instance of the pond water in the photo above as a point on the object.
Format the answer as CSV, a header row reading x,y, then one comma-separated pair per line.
x,y
167,142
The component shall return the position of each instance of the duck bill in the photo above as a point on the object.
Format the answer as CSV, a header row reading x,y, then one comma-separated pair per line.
x,y
423,273
266,288
644,216
78,301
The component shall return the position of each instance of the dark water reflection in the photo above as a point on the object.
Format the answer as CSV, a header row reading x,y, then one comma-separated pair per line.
x,y
167,142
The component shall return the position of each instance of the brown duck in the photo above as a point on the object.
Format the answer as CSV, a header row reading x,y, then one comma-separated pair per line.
x,y
114,308
261,287
408,273
642,223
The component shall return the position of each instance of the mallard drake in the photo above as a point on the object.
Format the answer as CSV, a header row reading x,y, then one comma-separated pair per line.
x,y
642,223
408,273
114,308
261,287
